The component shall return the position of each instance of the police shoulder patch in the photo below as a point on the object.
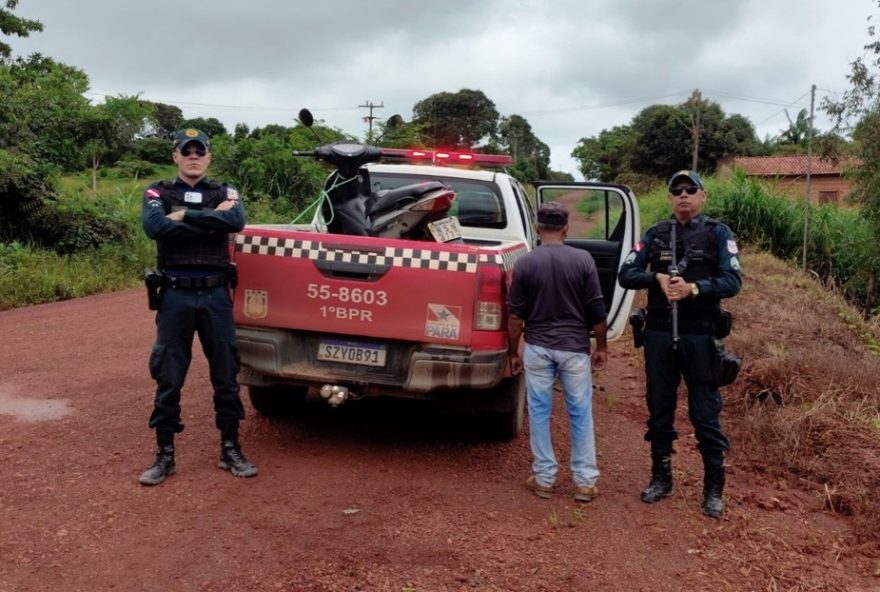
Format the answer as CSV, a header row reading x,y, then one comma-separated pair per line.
x,y
732,248
152,193
231,193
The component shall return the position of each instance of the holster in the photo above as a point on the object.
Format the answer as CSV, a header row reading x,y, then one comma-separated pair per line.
x,y
725,364
232,275
723,324
153,281
637,321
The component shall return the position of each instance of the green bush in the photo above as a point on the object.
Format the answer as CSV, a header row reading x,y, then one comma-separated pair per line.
x,y
134,169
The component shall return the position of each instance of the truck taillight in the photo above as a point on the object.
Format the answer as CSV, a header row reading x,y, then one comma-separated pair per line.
x,y
489,309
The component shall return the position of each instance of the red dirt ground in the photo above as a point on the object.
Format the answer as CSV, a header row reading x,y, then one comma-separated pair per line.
x,y
376,495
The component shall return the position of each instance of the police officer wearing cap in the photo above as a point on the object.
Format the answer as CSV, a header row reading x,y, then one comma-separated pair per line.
x,y
709,271
191,219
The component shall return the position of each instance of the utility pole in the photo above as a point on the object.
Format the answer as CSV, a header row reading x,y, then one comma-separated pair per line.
x,y
369,118
695,128
809,171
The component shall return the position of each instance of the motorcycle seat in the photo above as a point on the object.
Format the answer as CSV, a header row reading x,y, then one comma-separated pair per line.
x,y
389,199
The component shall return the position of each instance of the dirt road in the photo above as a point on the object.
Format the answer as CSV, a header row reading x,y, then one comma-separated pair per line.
x,y
379,496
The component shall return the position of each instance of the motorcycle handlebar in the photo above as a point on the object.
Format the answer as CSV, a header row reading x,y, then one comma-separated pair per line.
x,y
303,152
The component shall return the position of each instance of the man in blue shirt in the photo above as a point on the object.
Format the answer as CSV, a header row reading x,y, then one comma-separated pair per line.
x,y
555,296
708,270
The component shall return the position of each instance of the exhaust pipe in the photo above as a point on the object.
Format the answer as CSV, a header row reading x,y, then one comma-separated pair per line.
x,y
335,394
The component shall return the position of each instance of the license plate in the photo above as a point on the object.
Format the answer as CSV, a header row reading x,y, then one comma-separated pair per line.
x,y
347,352
445,230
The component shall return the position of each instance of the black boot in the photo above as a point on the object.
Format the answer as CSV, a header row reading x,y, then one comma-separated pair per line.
x,y
231,457
713,488
661,479
163,466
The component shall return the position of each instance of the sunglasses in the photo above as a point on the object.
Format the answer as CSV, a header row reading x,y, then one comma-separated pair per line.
x,y
691,190
186,151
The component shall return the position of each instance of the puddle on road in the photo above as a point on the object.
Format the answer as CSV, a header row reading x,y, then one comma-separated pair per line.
x,y
30,409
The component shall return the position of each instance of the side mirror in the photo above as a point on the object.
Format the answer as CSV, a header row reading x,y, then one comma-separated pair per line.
x,y
306,118
394,121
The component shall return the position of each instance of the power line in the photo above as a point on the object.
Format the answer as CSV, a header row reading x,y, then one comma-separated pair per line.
x,y
605,105
219,106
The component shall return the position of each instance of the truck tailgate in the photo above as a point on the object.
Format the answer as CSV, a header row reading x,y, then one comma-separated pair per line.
x,y
359,286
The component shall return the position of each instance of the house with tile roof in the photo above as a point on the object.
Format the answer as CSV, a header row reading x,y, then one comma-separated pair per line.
x,y
788,174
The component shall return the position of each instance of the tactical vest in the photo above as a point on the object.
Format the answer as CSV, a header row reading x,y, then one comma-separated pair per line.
x,y
697,252
207,251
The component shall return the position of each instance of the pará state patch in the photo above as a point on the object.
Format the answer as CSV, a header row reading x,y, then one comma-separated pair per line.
x,y
732,248
152,193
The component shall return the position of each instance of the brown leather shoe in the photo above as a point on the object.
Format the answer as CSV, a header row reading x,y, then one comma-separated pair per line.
x,y
585,493
541,491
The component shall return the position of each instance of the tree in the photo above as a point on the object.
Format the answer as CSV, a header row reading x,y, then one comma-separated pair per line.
x,y
168,119
112,128
456,121
518,140
211,126
42,110
13,25
857,113
606,156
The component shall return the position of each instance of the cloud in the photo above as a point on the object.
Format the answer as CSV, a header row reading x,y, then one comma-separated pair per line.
x,y
571,67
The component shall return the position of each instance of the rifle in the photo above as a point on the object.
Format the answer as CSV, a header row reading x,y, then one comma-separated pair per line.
x,y
674,271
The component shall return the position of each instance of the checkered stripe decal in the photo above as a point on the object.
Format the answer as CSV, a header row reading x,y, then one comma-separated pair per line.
x,y
506,259
395,257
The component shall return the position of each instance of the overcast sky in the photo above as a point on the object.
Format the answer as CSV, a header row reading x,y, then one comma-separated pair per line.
x,y
570,67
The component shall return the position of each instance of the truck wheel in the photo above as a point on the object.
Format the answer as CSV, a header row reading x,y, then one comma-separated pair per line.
x,y
503,408
276,400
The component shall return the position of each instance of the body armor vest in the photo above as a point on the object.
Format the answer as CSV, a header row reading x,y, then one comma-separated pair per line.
x,y
697,252
207,251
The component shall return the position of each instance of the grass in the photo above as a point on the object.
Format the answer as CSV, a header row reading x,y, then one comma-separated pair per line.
x,y
806,405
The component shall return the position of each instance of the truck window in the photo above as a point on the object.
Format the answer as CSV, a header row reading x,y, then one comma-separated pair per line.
x,y
593,214
477,204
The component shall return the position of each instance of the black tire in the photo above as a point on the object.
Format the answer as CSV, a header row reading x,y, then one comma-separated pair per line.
x,y
502,408
276,400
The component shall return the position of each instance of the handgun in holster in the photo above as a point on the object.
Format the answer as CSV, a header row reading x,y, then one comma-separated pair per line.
x,y
637,320
153,281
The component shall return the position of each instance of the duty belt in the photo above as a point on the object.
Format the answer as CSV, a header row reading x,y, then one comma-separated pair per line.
x,y
195,283
689,327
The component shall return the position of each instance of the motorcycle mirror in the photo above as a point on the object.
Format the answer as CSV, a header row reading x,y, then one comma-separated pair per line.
x,y
394,121
306,118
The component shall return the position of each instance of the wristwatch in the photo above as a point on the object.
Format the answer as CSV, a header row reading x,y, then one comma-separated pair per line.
x,y
695,289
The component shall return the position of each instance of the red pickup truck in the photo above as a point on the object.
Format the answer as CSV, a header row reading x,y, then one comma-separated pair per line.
x,y
339,317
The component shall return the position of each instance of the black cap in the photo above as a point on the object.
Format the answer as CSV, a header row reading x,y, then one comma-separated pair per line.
x,y
191,134
692,175
552,216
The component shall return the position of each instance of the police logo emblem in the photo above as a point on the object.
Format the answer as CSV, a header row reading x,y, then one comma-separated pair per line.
x,y
191,133
256,304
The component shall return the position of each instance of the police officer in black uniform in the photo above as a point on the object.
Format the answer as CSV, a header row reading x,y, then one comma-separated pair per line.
x,y
190,219
709,271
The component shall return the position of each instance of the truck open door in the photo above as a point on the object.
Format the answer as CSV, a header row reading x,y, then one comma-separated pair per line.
x,y
604,221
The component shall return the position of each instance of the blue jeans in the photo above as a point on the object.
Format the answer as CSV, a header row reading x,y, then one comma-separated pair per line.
x,y
541,366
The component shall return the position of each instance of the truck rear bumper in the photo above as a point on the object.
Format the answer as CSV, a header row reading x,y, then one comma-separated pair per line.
x,y
276,356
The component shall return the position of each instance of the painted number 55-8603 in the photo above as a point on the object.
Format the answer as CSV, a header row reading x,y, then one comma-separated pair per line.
x,y
347,295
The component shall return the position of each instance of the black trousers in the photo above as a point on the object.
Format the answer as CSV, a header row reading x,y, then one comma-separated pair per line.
x,y
183,313
664,369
